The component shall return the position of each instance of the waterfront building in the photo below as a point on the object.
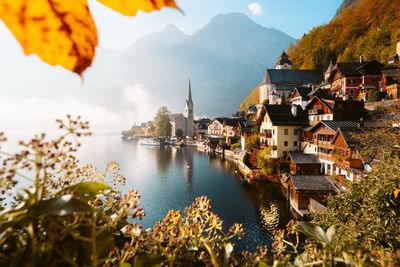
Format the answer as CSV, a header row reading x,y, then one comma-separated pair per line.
x,y
279,128
304,164
216,128
201,127
184,123
279,82
304,189
244,128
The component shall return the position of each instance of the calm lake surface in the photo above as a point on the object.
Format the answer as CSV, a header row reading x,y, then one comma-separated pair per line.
x,y
172,177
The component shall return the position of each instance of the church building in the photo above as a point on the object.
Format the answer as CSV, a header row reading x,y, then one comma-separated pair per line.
x,y
279,82
184,123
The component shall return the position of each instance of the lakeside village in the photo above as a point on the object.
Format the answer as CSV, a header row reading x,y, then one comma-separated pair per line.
x,y
302,133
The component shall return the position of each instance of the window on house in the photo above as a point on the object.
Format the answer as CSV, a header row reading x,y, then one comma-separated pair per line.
x,y
295,143
286,132
285,143
351,91
295,131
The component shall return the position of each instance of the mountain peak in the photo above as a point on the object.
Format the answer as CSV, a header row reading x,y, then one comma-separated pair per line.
x,y
172,28
231,16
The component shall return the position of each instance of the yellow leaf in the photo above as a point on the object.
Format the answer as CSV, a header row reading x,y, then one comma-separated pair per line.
x,y
131,7
396,192
60,32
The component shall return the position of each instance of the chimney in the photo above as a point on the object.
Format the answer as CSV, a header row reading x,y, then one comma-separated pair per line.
x,y
294,110
361,59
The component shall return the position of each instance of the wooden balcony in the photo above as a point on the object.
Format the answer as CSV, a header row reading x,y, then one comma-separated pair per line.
x,y
266,135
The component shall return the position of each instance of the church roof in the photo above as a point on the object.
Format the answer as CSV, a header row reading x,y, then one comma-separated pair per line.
x,y
284,58
290,77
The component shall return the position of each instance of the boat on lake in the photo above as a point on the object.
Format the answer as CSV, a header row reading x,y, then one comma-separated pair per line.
x,y
149,142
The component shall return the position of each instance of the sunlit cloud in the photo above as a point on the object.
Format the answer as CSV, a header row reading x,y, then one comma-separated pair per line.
x,y
256,9
39,113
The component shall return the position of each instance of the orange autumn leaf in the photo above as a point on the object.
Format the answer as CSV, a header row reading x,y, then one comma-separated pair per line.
x,y
131,7
60,32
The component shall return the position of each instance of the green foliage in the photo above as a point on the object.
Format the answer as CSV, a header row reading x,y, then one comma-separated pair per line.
x,y
369,28
369,211
374,96
264,161
236,145
179,133
222,143
252,142
163,124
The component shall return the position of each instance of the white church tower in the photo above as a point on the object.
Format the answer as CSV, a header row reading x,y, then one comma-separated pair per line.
x,y
283,63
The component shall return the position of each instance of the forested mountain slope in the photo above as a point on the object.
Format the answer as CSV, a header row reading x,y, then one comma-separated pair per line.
x,y
367,28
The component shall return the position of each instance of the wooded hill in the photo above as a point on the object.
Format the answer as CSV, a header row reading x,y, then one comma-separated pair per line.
x,y
366,28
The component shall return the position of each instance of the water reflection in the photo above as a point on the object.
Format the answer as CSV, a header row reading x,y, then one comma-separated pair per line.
x,y
271,207
163,159
188,171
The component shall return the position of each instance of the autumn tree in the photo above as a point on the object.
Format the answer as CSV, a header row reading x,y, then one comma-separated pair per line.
x,y
264,161
163,123
179,133
252,143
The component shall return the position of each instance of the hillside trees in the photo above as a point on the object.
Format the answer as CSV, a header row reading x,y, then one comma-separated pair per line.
x,y
368,28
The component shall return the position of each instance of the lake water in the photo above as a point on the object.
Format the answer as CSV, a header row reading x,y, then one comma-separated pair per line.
x,y
172,177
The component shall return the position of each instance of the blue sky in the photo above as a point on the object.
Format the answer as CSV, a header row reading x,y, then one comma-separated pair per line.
x,y
294,17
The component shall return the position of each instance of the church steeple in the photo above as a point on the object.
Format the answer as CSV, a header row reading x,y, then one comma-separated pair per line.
x,y
283,62
189,93
189,103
